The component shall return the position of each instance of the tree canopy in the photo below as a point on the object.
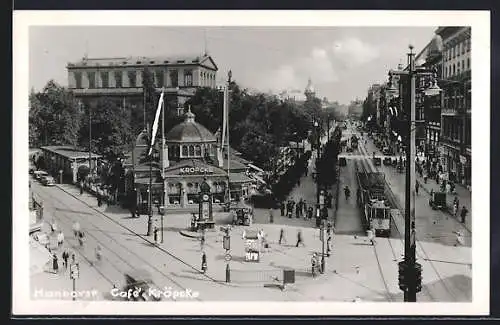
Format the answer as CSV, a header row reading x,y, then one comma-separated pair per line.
x,y
54,116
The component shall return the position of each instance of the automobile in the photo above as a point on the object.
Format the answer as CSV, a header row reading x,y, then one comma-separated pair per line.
x,y
377,161
38,174
438,201
48,181
387,151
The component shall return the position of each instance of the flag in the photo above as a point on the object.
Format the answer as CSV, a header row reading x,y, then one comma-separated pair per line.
x,y
154,130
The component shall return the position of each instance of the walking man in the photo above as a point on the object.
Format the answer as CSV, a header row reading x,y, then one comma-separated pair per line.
x,y
282,208
55,264
204,263
282,236
271,216
300,240
65,256
60,239
155,235
328,246
416,187
76,228
463,214
81,187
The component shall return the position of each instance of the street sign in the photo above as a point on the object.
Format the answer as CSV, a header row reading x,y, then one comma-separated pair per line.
x,y
227,257
74,271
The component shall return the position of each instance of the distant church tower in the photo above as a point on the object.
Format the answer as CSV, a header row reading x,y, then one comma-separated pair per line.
x,y
309,91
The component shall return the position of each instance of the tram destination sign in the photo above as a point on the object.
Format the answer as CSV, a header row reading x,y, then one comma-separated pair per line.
x,y
196,170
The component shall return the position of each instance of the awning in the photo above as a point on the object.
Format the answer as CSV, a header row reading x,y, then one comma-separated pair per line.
x,y
39,257
239,178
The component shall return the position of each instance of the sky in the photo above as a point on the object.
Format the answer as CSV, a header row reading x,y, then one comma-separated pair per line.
x,y
342,62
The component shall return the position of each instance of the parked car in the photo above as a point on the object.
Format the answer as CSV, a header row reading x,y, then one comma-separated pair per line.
x,y
48,181
387,151
38,174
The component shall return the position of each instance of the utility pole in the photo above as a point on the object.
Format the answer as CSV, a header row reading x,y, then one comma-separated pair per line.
x,y
410,272
90,140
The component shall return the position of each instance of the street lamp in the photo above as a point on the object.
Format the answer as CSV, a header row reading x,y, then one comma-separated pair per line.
x,y
409,270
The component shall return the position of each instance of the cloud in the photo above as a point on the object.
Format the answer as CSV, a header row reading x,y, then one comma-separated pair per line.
x,y
317,65
352,52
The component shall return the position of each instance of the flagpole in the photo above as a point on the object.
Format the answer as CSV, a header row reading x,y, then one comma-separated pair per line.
x,y
163,158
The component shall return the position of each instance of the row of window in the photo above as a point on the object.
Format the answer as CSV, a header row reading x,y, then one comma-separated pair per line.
x,y
457,101
189,151
452,69
457,50
454,130
159,79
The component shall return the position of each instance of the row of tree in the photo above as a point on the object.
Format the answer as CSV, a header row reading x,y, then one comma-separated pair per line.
x,y
325,165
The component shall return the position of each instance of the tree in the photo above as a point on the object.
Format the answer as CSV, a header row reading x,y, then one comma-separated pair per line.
x,y
54,116
111,130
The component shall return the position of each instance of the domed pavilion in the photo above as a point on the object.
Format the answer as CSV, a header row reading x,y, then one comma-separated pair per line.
x,y
192,155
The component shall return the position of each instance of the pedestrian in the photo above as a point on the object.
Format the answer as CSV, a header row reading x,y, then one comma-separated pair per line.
x,y
204,263
98,253
202,239
328,246
463,214
60,239
53,226
81,235
358,195
328,228
271,216
99,198
304,207
314,264
55,264
282,236
300,240
76,228
459,238
155,235
65,256
425,179
282,208
416,187
81,187
448,187
297,211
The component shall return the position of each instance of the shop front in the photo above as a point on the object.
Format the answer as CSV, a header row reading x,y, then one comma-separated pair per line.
x,y
182,184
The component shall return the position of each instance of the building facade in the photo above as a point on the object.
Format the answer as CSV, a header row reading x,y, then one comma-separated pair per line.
x,y
456,103
67,160
121,78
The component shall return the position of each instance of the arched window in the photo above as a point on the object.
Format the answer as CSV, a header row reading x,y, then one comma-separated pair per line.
x,y
454,69
191,151
198,151
184,151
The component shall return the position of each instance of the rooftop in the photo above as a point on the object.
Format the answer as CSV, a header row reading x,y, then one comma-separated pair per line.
x,y
69,152
190,131
141,60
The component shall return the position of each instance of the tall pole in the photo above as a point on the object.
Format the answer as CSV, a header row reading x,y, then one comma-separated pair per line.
x,y
410,293
163,161
226,101
144,98
90,140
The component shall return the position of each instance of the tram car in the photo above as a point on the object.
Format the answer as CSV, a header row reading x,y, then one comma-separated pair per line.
x,y
372,202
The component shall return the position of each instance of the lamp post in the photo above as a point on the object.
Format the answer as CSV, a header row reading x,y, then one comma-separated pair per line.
x,y
409,269
316,125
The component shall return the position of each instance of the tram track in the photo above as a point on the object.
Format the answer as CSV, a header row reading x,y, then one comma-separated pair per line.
x,y
396,203
69,221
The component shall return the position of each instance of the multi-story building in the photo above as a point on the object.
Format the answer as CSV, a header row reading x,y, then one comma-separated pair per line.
x,y
428,109
456,110
121,78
